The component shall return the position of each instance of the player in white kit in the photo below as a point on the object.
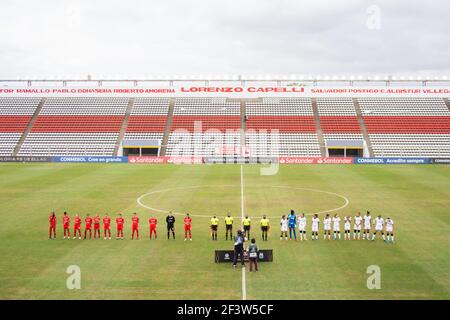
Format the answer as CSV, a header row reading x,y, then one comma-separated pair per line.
x,y
390,229
315,227
357,226
337,226
379,224
367,225
327,227
347,227
284,227
302,227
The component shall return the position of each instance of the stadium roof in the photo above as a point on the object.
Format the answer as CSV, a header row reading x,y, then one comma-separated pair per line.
x,y
298,80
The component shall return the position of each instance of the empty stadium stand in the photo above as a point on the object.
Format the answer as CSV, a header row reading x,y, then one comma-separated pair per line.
x,y
263,144
290,127
76,126
338,115
204,127
411,145
403,107
406,127
147,119
363,127
15,114
319,131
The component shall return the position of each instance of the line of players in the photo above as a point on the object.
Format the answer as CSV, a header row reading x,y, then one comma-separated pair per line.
x,y
94,223
333,225
291,222
287,223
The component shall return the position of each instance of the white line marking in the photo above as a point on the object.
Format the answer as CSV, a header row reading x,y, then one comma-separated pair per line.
x,y
244,290
242,193
316,190
139,200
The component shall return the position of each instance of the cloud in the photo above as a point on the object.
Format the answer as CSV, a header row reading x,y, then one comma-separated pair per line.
x,y
168,37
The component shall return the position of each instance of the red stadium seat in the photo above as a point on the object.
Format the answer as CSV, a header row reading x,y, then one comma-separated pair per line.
x,y
285,124
14,123
408,124
340,124
146,123
221,123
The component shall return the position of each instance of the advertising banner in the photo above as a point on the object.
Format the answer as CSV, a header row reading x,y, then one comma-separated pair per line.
x,y
148,160
25,159
185,160
392,161
240,160
440,161
225,160
232,90
228,256
163,160
76,159
315,160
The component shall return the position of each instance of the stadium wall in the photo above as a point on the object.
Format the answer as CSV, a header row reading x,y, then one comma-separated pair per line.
x,y
227,91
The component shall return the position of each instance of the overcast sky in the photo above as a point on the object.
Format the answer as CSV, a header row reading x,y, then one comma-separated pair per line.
x,y
209,37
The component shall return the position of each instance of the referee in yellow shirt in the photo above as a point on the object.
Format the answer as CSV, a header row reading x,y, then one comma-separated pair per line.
x,y
247,224
229,226
264,227
214,226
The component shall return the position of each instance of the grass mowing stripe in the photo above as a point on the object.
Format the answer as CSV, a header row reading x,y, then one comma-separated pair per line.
x,y
416,266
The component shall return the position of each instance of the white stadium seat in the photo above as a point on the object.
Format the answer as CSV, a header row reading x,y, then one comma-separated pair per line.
x,y
406,127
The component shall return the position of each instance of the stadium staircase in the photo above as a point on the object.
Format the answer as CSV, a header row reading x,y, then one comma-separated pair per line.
x,y
447,103
166,135
124,126
29,127
301,127
243,125
363,126
281,127
243,118
204,127
318,127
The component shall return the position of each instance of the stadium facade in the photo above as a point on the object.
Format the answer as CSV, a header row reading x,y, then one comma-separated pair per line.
x,y
283,119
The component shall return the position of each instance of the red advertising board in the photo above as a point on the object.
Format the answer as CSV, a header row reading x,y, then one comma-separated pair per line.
x,y
199,160
314,160
162,160
147,160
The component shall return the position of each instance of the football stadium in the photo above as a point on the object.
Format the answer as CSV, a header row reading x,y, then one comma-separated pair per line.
x,y
245,154
243,148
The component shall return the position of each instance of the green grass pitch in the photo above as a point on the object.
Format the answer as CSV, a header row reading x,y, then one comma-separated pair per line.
x,y
417,266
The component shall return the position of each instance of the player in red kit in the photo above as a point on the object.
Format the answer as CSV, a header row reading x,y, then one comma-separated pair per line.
x,y
119,222
152,222
66,225
96,227
107,226
77,227
135,226
187,227
88,226
52,221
